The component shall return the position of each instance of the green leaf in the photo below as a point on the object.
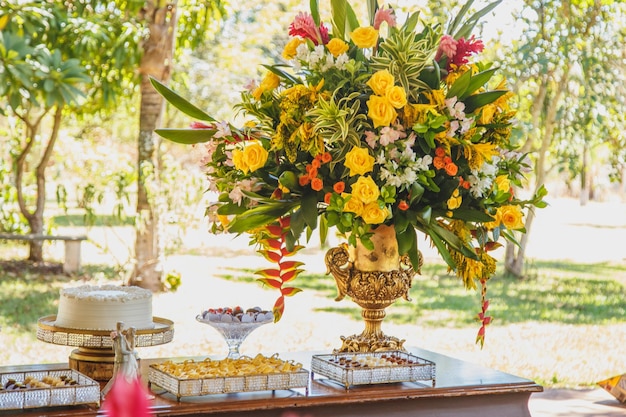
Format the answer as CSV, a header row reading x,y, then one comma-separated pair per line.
x,y
339,13
443,250
179,102
323,229
372,6
471,215
407,240
466,30
315,11
186,136
351,19
479,100
276,70
460,85
477,81
309,209
417,191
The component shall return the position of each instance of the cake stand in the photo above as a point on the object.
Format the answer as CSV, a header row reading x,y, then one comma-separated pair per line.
x,y
94,354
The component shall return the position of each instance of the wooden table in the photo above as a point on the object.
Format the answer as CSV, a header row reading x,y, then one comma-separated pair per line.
x,y
461,389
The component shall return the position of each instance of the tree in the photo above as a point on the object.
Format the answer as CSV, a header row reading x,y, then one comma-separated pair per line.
x,y
564,74
36,82
120,46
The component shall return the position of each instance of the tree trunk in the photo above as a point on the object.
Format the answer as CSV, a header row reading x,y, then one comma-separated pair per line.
x,y
514,256
585,189
158,51
35,217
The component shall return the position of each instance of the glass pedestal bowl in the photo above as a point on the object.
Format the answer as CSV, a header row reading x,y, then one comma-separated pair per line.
x,y
235,331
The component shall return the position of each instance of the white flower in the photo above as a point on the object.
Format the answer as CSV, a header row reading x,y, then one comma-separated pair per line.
x,y
223,130
341,61
454,125
236,195
455,108
423,163
409,176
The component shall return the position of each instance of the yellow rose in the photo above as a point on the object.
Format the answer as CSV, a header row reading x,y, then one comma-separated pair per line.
x,y
497,219
337,47
381,111
380,82
238,160
352,204
373,214
512,217
364,37
455,200
396,96
290,49
503,183
254,156
366,190
359,161
270,82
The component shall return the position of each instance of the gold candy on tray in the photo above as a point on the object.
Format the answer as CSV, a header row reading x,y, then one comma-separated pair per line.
x,y
209,368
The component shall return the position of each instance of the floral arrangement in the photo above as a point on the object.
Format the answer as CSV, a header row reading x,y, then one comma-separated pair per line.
x,y
363,125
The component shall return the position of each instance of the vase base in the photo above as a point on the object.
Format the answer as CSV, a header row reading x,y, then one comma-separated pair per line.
x,y
370,343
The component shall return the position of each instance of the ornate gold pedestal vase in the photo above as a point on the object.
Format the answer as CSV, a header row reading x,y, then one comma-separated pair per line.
x,y
374,280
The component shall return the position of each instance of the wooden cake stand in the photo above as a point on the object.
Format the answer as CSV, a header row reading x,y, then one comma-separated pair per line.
x,y
94,354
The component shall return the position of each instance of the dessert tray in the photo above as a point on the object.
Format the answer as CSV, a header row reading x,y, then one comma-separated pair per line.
x,y
225,376
351,369
65,387
47,331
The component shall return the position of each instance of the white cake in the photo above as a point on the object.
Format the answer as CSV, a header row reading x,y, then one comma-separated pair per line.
x,y
92,307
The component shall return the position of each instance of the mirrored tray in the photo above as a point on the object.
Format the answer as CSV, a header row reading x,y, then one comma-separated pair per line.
x,y
351,369
47,331
85,391
236,382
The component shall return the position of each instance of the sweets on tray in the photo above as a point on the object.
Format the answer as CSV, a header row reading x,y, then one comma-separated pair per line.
x,y
32,382
237,315
244,365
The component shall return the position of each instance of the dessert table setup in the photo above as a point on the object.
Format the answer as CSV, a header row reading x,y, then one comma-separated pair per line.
x,y
399,381
376,132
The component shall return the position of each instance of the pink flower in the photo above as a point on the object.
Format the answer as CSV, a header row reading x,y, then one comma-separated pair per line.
x,y
201,125
465,48
384,15
304,26
371,138
447,47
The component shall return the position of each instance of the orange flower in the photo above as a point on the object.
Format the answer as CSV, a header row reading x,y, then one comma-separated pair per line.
x,y
312,172
438,162
327,197
326,157
440,152
304,180
402,205
317,184
451,169
339,187
316,163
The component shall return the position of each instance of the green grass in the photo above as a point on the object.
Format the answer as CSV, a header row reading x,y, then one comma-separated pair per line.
x,y
557,292
78,220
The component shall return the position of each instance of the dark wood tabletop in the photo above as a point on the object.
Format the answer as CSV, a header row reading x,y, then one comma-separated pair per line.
x,y
461,388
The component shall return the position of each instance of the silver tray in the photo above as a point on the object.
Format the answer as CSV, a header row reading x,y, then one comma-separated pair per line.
x,y
189,387
351,369
87,391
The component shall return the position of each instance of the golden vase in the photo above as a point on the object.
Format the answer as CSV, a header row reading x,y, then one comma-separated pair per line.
x,y
373,279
